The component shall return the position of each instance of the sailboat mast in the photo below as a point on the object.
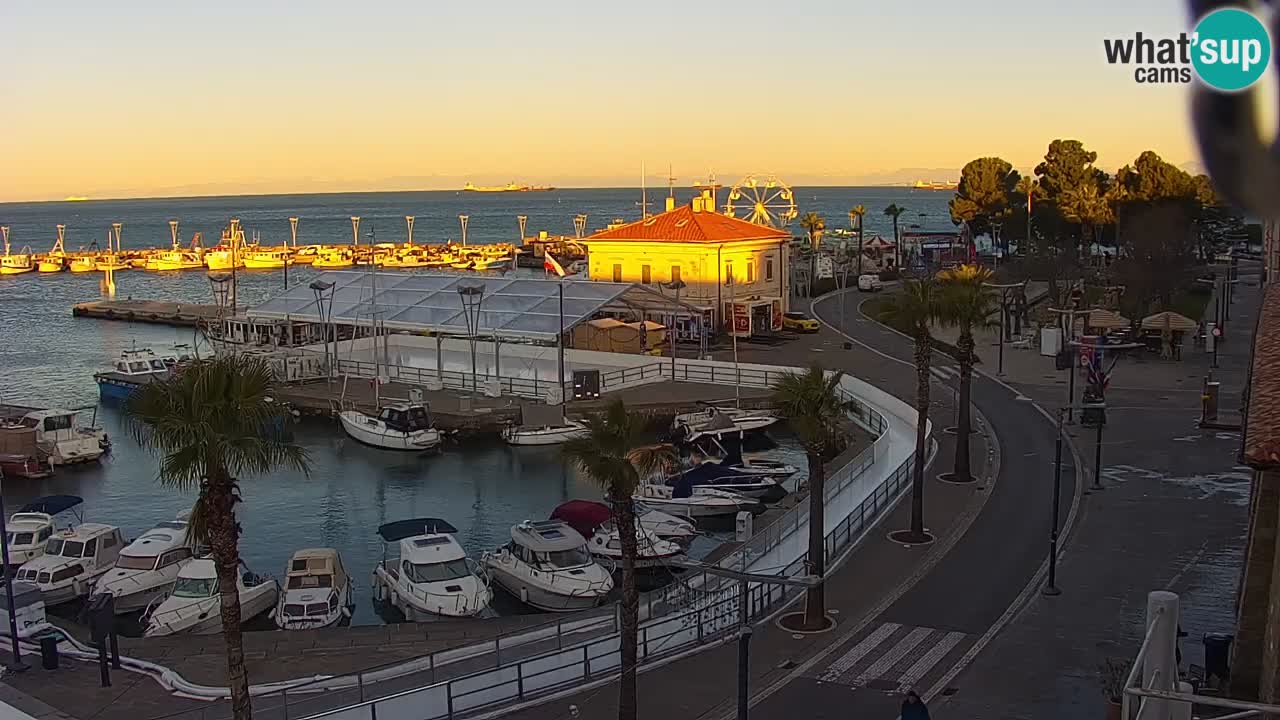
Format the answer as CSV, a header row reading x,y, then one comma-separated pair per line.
x,y
644,199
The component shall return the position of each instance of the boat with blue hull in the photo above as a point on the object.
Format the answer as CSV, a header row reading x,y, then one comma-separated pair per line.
x,y
135,368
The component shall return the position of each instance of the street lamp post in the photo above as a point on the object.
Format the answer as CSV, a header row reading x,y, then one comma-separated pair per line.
x,y
676,284
522,221
463,219
733,335
288,256
1006,296
1051,586
408,221
321,288
471,296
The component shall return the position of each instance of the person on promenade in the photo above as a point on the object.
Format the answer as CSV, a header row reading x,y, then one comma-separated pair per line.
x,y
913,708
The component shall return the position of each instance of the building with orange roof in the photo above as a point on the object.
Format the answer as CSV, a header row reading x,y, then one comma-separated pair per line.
x,y
722,261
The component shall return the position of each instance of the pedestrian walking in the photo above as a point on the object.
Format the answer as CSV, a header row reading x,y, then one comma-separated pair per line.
x,y
913,708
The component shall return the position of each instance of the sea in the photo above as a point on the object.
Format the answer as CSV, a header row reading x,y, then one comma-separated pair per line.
x,y
47,359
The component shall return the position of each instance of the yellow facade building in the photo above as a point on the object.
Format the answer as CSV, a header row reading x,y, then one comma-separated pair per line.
x,y
729,267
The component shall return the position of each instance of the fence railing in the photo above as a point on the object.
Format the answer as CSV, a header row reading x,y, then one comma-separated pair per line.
x,y
453,379
698,609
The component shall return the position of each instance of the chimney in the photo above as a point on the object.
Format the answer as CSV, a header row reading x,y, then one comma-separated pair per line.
x,y
671,204
697,204
708,202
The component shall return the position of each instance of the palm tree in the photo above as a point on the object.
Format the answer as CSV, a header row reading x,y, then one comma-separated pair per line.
x,y
814,225
966,304
214,422
812,403
857,213
614,456
914,309
894,211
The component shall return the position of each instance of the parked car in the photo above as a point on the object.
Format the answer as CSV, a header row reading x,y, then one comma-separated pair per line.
x,y
869,283
799,322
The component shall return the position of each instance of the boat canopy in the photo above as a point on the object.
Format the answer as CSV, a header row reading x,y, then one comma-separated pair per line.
x,y
406,418
401,529
537,415
584,516
709,474
315,568
718,421
52,504
546,536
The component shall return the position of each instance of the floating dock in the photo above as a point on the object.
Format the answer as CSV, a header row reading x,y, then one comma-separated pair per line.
x,y
148,311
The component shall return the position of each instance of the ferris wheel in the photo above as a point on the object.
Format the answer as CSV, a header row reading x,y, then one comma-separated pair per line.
x,y
763,200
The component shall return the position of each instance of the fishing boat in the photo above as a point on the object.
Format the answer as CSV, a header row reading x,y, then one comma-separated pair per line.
x,y
543,425
194,606
89,263
73,559
147,568
317,593
268,259
102,263
52,263
28,611
306,254
63,441
431,575
169,260
23,262
30,528
594,522
134,368
686,500
547,566
403,426
339,257
485,263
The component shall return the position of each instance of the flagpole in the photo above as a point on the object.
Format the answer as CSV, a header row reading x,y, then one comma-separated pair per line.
x,y
560,341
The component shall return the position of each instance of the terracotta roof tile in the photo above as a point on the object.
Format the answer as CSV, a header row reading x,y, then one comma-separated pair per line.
x,y
684,225
1262,434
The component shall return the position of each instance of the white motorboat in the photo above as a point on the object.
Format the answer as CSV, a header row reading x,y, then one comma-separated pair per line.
x,y
405,426
664,525
547,566
432,575
147,568
694,502
651,551
588,516
318,593
62,440
543,425
30,618
30,528
719,477
727,452
73,559
195,605
717,422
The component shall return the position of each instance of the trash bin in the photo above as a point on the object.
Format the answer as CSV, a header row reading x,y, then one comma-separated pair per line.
x,y
1217,655
49,653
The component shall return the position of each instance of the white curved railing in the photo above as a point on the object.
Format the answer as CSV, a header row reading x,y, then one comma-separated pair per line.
x,y
699,611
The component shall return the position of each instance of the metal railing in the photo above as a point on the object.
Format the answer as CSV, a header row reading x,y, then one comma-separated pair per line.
x,y
1152,684
453,379
697,610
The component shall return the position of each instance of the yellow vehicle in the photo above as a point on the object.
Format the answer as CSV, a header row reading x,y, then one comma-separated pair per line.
x,y
799,322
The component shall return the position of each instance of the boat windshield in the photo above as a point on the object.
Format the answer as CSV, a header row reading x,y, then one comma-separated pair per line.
x,y
565,559
302,582
21,538
136,562
195,587
438,572
65,548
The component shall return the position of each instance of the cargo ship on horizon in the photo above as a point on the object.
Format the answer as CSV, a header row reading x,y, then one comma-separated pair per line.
x,y
935,185
509,187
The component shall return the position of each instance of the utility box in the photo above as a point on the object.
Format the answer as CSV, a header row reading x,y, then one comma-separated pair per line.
x,y
586,384
1050,341
744,527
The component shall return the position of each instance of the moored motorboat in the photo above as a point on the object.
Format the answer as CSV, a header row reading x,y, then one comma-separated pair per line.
x,y
717,422
543,425
27,467
88,263
685,500
30,528
73,559
194,606
714,475
147,568
595,523
404,426
22,262
431,575
267,259
63,441
547,566
318,593
134,368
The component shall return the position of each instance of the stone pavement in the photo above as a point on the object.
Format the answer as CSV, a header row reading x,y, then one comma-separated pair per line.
x,y
1172,517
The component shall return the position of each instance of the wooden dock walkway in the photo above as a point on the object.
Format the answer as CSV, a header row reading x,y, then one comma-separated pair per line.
x,y
147,311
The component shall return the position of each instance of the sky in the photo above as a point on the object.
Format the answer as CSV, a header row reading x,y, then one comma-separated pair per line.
x,y
141,98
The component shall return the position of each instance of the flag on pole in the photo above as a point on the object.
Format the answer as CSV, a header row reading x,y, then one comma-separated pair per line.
x,y
550,265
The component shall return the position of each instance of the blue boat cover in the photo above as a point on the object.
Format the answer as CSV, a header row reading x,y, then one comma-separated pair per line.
x,y
401,529
52,504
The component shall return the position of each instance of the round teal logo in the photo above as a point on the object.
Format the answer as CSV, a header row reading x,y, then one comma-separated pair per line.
x,y
1231,49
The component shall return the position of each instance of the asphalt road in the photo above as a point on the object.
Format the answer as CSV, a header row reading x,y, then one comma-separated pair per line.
x,y
918,641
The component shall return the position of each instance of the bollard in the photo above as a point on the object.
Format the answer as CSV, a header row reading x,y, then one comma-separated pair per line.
x,y
1160,667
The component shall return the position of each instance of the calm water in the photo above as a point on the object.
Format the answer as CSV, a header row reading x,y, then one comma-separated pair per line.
x,y
48,360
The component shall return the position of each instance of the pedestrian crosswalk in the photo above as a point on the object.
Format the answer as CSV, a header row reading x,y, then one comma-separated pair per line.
x,y
944,373
893,657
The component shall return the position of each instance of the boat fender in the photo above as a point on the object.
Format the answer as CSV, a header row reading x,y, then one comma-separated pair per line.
x,y
524,595
346,612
